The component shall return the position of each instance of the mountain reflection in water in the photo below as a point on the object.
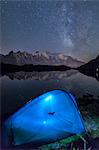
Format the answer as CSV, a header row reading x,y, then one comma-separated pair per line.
x,y
42,75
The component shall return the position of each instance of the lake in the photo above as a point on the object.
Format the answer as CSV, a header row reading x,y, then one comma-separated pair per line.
x,y
20,87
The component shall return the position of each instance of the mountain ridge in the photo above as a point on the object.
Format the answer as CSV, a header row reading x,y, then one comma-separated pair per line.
x,y
39,58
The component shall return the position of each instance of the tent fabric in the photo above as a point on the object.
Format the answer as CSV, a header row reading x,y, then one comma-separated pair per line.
x,y
47,118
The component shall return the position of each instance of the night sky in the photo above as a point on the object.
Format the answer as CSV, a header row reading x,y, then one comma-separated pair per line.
x,y
70,27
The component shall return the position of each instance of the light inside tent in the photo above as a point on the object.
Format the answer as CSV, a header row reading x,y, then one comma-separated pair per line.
x,y
48,98
44,122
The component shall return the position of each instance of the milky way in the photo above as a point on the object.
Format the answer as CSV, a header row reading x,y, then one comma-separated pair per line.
x,y
70,27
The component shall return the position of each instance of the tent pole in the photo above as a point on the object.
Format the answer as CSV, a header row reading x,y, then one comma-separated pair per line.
x,y
85,146
85,142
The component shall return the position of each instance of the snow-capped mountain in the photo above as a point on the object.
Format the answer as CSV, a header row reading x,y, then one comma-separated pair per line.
x,y
41,58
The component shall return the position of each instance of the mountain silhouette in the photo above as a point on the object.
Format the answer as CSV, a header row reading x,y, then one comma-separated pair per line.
x,y
91,68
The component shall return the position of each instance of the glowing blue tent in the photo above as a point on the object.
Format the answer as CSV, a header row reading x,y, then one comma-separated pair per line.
x,y
48,118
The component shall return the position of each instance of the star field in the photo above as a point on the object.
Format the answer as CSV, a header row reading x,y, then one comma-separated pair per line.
x,y
70,27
